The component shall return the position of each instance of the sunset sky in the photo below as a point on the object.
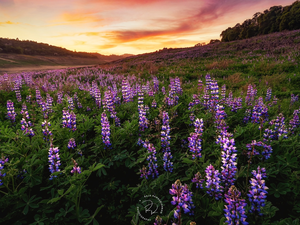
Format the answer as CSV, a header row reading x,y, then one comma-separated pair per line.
x,y
124,26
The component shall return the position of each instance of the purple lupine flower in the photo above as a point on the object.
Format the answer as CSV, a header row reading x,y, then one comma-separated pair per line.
x,y
28,98
76,169
235,212
247,116
279,129
144,172
206,98
54,160
17,91
3,160
158,221
220,117
143,121
197,179
275,99
59,97
236,104
163,90
195,139
294,98
71,143
266,153
154,104
228,162
140,99
38,96
294,122
223,94
25,126
70,103
24,111
45,129
182,199
165,143
213,182
11,111
152,165
200,85
49,103
72,122
258,192
125,91
105,131
269,94
97,95
155,84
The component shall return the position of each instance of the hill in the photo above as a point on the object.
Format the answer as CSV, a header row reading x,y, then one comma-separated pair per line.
x,y
26,47
276,45
275,19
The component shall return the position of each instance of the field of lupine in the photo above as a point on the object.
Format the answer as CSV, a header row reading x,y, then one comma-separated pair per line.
x,y
89,147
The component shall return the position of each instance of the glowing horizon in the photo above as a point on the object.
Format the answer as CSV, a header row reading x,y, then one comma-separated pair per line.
x,y
124,26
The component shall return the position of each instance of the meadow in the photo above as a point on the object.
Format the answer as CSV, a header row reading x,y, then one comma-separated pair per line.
x,y
204,138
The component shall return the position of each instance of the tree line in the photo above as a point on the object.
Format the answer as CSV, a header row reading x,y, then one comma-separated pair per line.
x,y
275,19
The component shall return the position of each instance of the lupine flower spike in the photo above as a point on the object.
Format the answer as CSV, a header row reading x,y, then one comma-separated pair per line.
x,y
3,160
54,160
258,192
182,199
76,169
235,208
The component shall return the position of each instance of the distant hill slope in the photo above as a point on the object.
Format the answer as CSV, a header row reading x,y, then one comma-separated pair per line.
x,y
275,19
16,46
276,44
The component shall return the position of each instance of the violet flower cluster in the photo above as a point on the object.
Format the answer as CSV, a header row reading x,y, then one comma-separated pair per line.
x,y
49,102
228,162
235,212
198,180
277,129
165,143
195,139
258,192
11,114
182,199
294,122
76,169
45,129
152,165
266,153
105,131
143,121
24,111
268,95
25,126
3,160
71,143
17,91
126,91
213,180
69,120
54,160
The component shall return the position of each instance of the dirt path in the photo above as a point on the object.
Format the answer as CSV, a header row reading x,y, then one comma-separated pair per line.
x,y
7,60
36,68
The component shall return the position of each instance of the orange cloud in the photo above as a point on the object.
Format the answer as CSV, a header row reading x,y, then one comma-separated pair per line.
x,y
8,23
79,42
106,46
79,18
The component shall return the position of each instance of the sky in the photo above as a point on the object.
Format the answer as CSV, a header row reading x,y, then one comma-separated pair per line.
x,y
124,26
